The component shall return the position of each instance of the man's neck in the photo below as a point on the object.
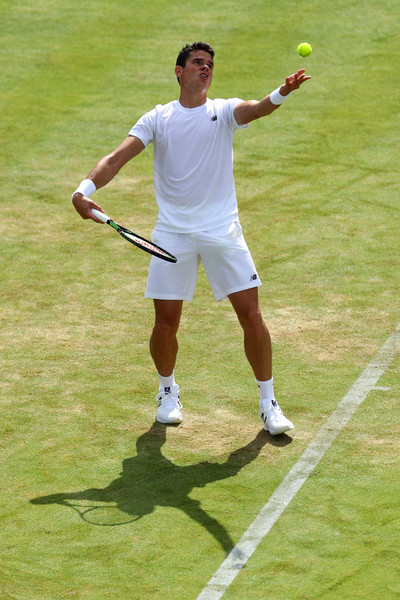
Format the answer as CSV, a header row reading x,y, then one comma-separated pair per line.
x,y
192,100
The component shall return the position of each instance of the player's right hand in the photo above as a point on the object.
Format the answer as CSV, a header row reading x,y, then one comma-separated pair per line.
x,y
83,205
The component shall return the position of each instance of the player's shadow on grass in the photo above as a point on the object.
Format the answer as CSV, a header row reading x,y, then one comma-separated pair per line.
x,y
149,479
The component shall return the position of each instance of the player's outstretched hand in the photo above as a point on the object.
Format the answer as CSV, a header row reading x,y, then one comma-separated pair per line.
x,y
293,82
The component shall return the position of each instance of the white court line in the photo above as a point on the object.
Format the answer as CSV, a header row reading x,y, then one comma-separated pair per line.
x,y
299,473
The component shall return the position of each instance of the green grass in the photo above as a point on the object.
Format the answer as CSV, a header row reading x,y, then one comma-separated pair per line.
x,y
318,190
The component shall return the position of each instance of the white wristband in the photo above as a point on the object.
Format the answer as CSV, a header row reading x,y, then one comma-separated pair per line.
x,y
86,187
277,98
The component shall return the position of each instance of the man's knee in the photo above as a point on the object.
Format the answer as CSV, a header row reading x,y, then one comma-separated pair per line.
x,y
253,319
165,329
167,317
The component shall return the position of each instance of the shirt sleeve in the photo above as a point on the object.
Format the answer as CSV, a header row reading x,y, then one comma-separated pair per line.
x,y
228,106
144,128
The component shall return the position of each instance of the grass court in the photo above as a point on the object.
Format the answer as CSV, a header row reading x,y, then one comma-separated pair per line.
x,y
135,510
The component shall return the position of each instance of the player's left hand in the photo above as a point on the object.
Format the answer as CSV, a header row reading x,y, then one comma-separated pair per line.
x,y
293,82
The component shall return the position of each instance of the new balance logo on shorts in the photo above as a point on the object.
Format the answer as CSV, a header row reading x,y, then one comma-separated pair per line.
x,y
253,277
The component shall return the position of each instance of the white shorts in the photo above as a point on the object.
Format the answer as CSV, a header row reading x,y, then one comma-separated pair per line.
x,y
226,258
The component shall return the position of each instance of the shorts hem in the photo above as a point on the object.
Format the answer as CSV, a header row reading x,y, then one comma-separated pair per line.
x,y
256,283
167,297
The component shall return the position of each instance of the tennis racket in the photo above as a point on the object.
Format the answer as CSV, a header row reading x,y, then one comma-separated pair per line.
x,y
135,239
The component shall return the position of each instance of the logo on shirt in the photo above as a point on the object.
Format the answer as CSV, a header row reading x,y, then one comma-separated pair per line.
x,y
214,118
253,277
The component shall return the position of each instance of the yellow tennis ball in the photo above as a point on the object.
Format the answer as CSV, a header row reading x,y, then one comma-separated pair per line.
x,y
304,49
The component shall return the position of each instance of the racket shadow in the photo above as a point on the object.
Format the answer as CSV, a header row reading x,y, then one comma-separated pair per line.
x,y
149,479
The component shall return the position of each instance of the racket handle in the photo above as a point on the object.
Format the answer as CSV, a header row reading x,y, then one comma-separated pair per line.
x,y
99,215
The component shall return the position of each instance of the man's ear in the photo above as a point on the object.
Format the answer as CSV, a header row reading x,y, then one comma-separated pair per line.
x,y
178,71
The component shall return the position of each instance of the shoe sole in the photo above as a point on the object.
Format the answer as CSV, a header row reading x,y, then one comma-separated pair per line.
x,y
278,430
175,421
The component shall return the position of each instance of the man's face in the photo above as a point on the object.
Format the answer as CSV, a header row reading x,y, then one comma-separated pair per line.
x,y
198,71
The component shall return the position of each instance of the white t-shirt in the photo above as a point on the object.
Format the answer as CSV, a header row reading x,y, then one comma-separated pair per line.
x,y
193,163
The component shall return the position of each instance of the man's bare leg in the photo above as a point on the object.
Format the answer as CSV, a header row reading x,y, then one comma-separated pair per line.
x,y
257,341
164,350
258,349
163,341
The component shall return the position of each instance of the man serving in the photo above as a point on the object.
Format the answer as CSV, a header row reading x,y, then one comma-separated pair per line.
x,y
198,219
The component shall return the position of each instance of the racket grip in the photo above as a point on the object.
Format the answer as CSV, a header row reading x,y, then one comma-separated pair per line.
x,y
99,215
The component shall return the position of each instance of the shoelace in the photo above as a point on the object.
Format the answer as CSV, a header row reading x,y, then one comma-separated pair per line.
x,y
276,409
167,397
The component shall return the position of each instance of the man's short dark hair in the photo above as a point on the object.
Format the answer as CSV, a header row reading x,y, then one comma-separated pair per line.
x,y
189,48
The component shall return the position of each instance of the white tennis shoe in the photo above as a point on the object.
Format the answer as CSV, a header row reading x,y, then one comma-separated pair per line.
x,y
273,418
169,406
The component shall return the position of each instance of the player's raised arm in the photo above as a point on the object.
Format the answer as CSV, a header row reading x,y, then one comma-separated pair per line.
x,y
105,170
248,111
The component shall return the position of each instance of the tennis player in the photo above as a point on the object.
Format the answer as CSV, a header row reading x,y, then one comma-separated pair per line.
x,y
198,219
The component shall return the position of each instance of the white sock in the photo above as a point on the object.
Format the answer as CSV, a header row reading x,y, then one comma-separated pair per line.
x,y
266,389
167,382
